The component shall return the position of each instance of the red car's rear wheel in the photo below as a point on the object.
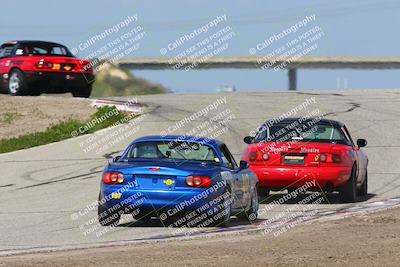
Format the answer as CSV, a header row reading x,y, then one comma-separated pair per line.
x,y
348,193
263,192
83,92
17,84
363,190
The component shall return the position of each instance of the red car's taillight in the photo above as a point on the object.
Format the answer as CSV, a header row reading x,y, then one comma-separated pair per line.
x,y
198,181
86,66
258,156
329,158
44,65
265,156
252,156
113,178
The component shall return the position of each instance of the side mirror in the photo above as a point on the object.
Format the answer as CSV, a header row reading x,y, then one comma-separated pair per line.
x,y
361,142
248,139
244,165
116,158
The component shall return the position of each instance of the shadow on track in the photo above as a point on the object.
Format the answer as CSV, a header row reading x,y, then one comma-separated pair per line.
x,y
329,198
234,222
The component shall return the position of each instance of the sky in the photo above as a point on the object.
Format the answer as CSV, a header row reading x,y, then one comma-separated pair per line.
x,y
350,28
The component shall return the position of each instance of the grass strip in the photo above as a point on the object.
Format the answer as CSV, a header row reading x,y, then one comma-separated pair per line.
x,y
103,118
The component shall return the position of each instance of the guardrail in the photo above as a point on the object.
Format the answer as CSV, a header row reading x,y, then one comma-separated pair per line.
x,y
290,64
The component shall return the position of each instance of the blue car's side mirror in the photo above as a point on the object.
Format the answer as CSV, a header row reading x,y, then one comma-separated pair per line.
x,y
244,165
116,158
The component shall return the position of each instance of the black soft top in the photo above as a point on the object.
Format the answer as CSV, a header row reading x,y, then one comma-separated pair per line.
x,y
27,42
293,119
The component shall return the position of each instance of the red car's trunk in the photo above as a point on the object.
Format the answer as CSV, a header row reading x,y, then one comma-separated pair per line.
x,y
61,64
307,154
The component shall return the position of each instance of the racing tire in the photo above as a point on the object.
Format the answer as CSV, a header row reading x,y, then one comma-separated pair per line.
x,y
251,214
363,190
348,193
17,85
263,191
225,210
82,92
34,92
142,217
106,217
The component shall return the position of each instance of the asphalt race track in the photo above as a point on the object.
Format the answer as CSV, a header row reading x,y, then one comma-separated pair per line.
x,y
44,191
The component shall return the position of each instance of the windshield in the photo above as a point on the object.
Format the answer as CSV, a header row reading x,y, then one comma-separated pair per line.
x,y
45,50
301,132
6,50
174,150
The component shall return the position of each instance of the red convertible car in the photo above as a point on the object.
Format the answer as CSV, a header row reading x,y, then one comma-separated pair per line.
x,y
289,153
35,67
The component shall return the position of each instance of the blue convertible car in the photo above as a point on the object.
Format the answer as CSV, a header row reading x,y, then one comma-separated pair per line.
x,y
184,181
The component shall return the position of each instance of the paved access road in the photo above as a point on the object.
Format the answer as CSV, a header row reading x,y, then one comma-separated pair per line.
x,y
45,191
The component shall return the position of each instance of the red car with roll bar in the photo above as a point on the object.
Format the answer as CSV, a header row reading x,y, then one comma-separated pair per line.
x,y
285,154
35,67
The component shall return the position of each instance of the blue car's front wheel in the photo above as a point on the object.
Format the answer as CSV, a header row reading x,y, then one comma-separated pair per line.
x,y
225,209
251,213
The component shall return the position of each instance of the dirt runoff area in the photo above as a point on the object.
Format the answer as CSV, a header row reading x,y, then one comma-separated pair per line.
x,y
369,240
21,115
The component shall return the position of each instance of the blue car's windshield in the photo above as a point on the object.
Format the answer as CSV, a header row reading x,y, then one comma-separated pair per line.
x,y
173,150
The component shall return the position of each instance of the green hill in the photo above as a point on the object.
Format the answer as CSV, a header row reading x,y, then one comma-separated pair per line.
x,y
114,81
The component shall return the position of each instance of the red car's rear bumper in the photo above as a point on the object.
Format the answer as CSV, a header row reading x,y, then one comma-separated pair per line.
x,y
295,176
58,81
